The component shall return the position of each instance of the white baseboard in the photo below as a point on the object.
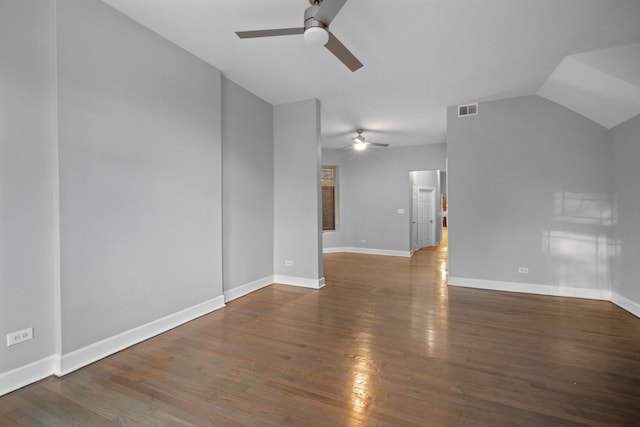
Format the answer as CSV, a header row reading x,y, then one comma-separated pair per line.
x,y
62,365
625,303
529,288
299,281
368,251
243,290
321,283
334,250
28,374
385,252
87,355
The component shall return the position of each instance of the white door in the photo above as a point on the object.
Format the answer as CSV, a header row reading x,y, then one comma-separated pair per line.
x,y
425,217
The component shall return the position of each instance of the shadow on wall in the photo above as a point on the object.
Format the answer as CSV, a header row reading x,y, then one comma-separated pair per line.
x,y
581,248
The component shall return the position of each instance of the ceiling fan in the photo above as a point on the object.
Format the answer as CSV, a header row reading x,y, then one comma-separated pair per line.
x,y
359,143
317,18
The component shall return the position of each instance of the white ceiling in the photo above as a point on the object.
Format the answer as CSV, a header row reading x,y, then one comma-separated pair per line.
x,y
419,56
603,85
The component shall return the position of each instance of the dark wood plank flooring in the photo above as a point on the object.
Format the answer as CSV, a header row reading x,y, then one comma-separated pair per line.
x,y
385,343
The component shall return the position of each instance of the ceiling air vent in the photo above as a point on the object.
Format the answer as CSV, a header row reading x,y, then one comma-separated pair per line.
x,y
468,110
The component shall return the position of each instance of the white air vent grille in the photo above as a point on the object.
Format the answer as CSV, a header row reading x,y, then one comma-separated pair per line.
x,y
468,110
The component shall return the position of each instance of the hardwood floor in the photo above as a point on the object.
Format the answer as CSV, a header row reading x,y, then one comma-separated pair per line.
x,y
386,343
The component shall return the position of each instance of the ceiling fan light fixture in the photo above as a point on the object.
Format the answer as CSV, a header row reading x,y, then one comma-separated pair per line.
x,y
360,146
316,36
315,31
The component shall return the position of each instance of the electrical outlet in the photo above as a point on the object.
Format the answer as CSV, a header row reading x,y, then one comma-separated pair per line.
x,y
288,263
19,336
523,270
363,241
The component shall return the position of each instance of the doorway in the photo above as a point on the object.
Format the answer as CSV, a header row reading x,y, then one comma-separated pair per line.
x,y
426,222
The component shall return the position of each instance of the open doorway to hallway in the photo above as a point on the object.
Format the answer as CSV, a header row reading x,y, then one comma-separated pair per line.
x,y
428,208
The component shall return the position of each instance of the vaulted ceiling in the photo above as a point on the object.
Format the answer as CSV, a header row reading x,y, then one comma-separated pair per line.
x,y
419,56
603,85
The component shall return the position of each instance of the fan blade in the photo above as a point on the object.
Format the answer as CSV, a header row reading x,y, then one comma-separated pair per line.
x,y
270,33
328,10
336,47
378,144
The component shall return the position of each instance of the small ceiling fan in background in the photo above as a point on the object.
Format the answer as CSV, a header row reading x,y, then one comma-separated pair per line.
x,y
359,143
317,18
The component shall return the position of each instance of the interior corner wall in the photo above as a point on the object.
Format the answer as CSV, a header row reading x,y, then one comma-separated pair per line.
x,y
28,176
140,175
372,186
298,207
248,189
626,152
530,186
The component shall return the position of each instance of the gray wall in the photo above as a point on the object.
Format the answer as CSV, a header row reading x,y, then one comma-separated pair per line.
x,y
626,150
373,185
111,181
140,175
248,194
28,178
529,185
298,214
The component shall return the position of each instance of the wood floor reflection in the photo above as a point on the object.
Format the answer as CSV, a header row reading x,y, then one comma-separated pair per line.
x,y
386,342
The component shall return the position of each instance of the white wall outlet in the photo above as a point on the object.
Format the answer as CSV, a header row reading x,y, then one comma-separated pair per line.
x,y
19,336
400,211
363,241
288,263
523,270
